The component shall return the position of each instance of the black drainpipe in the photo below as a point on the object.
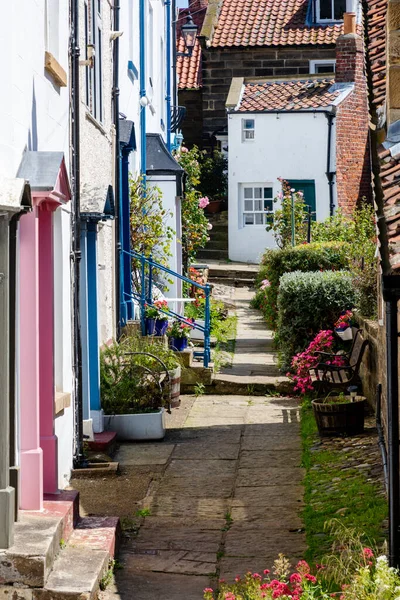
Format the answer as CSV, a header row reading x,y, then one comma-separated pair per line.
x,y
381,438
14,482
174,23
79,460
330,174
391,292
115,94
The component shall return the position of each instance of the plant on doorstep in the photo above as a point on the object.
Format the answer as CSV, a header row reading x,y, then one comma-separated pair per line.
x,y
194,222
292,211
148,222
179,333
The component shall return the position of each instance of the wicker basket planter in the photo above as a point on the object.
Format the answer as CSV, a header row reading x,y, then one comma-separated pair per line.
x,y
340,418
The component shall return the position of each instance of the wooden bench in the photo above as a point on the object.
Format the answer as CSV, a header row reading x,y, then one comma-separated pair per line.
x,y
327,377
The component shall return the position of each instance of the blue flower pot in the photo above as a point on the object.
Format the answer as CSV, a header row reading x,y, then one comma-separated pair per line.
x,y
178,344
161,326
150,326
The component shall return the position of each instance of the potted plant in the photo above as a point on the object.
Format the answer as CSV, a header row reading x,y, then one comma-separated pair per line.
x,y
150,315
161,324
339,414
343,326
179,333
133,393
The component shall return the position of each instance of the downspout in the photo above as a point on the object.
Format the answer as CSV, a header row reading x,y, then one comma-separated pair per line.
x,y
174,81
168,32
14,470
79,459
330,174
390,297
381,437
142,63
119,292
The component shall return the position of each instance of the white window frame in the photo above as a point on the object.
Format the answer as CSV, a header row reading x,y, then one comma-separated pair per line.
x,y
246,130
52,28
150,46
316,63
318,12
96,29
245,210
162,82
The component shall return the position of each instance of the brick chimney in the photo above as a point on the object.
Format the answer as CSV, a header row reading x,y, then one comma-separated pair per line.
x,y
353,178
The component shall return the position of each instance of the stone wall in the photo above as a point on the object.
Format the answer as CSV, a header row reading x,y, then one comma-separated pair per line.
x,y
192,126
220,65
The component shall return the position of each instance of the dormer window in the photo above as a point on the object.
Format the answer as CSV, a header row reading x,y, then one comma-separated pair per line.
x,y
329,10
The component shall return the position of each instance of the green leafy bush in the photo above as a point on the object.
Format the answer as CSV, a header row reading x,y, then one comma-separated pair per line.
x,y
317,256
307,303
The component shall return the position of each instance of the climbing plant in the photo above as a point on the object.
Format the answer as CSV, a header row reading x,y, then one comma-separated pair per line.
x,y
195,225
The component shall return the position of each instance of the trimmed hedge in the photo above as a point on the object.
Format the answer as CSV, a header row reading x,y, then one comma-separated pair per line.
x,y
307,303
317,256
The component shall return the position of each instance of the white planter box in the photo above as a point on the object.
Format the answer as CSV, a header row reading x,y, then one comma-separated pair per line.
x,y
146,426
345,334
196,334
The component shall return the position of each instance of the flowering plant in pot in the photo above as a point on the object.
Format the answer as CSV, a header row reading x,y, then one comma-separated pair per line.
x,y
343,325
340,414
179,333
161,323
150,315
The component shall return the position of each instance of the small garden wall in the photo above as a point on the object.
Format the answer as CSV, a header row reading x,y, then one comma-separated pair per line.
x,y
373,367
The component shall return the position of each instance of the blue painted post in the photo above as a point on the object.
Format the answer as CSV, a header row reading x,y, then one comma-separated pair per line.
x,y
150,288
142,76
168,34
207,327
83,301
93,338
123,306
142,293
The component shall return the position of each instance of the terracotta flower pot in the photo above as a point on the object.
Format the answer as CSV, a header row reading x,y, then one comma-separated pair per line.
x,y
213,207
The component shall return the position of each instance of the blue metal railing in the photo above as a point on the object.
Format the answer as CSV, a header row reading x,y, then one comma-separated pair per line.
x,y
145,298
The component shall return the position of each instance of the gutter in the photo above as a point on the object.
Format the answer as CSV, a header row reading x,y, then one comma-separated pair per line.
x,y
168,25
79,459
118,191
330,174
381,438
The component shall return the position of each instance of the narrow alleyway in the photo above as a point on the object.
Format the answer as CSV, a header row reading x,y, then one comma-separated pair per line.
x,y
224,493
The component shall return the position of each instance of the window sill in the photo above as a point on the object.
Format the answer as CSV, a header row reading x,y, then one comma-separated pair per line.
x,y
53,67
62,401
94,121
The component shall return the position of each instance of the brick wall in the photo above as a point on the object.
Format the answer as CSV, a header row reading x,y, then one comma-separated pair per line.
x,y
353,171
192,126
220,65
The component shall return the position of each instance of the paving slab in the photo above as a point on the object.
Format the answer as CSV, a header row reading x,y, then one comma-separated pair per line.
x,y
269,476
262,541
177,506
195,468
262,459
284,517
144,454
206,451
174,561
145,585
212,486
193,539
231,567
270,441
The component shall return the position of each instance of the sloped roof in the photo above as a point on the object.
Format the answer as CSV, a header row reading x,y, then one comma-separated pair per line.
x,y
269,23
288,95
376,43
189,68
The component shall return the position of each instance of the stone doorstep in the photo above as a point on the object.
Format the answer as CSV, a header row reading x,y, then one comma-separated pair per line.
x,y
104,442
39,567
94,470
37,538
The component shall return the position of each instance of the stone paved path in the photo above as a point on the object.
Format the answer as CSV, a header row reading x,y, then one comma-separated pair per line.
x,y
225,497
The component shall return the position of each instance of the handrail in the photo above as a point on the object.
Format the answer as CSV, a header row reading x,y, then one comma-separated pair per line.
x,y
146,298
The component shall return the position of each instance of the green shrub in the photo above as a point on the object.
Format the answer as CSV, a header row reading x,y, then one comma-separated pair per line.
x,y
307,303
317,256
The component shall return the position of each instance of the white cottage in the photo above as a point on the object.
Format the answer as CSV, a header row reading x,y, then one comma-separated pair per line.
x,y
309,130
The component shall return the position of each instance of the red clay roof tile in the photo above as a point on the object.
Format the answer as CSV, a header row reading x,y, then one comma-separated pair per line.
x,y
269,23
287,95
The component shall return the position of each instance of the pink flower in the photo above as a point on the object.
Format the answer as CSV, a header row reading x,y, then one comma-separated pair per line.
x,y
264,284
368,553
209,226
183,149
203,202
311,578
295,578
266,571
208,590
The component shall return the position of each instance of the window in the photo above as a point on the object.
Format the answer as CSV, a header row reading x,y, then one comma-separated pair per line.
x,y
87,70
322,66
97,100
150,45
247,130
52,28
258,204
330,10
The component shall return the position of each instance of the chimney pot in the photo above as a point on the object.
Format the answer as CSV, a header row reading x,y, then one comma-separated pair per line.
x,y
349,23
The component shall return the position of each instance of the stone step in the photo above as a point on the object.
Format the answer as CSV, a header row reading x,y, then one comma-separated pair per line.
x,y
238,385
105,442
197,373
82,567
38,537
219,236
224,272
232,281
212,254
217,245
219,228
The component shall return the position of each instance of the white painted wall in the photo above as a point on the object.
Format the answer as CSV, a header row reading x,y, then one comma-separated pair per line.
x,y
292,146
97,164
34,115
